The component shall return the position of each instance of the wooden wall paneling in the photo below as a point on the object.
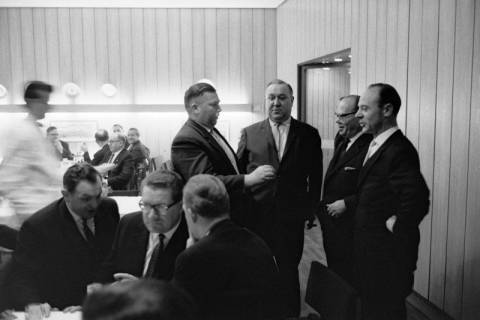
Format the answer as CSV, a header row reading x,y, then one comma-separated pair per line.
x,y
330,97
312,41
52,51
113,47
28,44
347,33
443,131
234,53
126,81
371,41
246,40
65,54
174,54
362,46
316,111
318,31
76,29
381,41
403,31
186,49
325,90
471,276
427,119
270,46
459,157
310,91
259,80
355,46
339,25
198,41
223,79
391,43
162,44
90,91
328,27
5,68
40,44
211,45
138,56
414,71
101,50
150,54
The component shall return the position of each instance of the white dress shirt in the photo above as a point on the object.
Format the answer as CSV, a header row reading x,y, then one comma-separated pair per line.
x,y
378,141
280,134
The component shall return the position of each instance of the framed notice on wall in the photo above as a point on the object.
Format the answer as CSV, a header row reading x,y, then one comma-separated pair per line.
x,y
75,131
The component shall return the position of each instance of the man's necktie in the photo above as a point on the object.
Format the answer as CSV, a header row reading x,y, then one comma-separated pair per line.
x,y
87,232
344,146
279,141
156,254
370,151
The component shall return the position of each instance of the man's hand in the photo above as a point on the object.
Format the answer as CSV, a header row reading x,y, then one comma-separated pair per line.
x,y
335,209
37,311
72,309
391,222
92,287
260,175
121,277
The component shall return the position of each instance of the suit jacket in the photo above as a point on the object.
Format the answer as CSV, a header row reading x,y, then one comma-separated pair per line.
x,y
66,153
139,152
98,157
130,247
8,237
390,183
231,262
53,262
195,151
295,192
119,177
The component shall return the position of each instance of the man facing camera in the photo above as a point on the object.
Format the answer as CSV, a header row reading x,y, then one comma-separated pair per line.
x,y
148,242
62,149
118,163
60,248
228,270
392,199
339,199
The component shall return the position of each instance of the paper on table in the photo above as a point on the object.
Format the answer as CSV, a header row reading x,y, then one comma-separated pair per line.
x,y
54,315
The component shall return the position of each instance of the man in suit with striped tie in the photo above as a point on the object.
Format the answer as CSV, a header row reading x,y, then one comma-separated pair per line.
x,y
200,148
338,204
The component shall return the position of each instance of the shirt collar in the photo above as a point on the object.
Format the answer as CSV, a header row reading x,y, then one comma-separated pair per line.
x,y
169,234
75,216
209,130
382,137
355,137
284,123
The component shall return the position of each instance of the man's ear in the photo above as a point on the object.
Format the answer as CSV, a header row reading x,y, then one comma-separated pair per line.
x,y
65,194
388,110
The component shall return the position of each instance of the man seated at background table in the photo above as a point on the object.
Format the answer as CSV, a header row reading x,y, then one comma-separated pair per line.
x,y
61,148
61,247
229,271
118,163
148,242
101,138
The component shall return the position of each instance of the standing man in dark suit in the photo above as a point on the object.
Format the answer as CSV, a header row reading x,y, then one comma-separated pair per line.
x,y
101,138
61,247
283,204
392,200
226,267
200,148
118,163
62,149
339,187
148,242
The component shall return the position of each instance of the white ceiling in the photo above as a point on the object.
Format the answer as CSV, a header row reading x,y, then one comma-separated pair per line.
x,y
142,3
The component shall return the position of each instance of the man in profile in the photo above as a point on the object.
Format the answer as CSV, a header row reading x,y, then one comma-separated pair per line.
x,y
61,148
101,138
29,173
139,300
230,272
200,148
148,242
337,212
392,199
61,247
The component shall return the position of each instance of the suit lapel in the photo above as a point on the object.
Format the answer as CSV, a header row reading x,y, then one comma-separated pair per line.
x,y
140,242
69,227
292,134
352,152
370,162
266,131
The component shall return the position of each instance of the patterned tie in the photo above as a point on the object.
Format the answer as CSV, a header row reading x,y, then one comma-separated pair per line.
x,y
156,254
87,232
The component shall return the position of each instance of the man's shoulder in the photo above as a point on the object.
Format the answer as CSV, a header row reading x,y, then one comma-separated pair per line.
x,y
46,217
255,126
189,130
303,127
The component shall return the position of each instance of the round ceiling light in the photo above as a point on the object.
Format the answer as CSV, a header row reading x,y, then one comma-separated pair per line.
x,y
71,89
109,89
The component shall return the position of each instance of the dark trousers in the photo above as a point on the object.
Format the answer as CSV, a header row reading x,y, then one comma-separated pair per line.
x,y
285,239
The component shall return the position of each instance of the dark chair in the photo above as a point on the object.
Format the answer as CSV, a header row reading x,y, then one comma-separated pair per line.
x,y
331,296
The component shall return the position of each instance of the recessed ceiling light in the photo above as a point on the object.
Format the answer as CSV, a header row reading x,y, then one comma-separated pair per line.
x,y
338,59
349,55
326,68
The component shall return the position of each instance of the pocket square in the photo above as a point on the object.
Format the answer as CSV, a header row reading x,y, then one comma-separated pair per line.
x,y
349,168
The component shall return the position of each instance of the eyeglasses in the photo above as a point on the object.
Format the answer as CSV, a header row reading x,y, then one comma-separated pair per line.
x,y
344,115
161,207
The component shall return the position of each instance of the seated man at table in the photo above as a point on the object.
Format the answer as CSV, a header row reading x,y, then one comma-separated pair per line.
x,y
101,138
60,248
229,271
61,148
118,163
148,242
139,300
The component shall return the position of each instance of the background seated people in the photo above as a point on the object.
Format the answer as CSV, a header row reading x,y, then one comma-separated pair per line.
x,y
118,163
101,138
61,148
140,154
148,242
118,128
227,266
61,247
139,300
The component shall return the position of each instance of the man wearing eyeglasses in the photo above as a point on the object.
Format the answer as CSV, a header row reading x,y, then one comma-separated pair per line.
x,y
338,204
148,242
